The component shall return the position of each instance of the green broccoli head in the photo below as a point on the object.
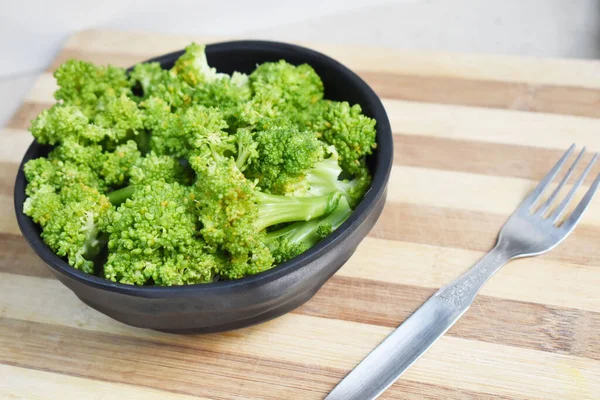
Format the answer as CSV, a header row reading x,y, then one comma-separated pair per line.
x,y
65,122
346,128
56,173
284,156
121,117
71,220
192,67
117,165
153,168
82,84
289,86
161,84
153,238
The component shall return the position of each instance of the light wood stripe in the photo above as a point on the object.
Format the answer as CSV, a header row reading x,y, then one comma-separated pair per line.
x,y
23,383
532,280
315,342
473,192
581,73
493,126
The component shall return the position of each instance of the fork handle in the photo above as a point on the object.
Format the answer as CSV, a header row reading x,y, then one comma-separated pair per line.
x,y
462,291
422,329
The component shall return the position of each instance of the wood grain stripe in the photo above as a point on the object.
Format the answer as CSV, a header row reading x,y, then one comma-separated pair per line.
x,y
473,230
21,119
186,368
512,323
563,72
484,93
492,125
307,340
431,89
23,383
533,280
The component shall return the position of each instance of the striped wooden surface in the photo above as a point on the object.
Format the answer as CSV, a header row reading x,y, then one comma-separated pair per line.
x,y
472,135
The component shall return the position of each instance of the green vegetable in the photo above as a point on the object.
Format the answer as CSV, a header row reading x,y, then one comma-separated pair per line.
x,y
187,175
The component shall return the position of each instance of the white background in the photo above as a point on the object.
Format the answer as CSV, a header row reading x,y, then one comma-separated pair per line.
x,y
32,31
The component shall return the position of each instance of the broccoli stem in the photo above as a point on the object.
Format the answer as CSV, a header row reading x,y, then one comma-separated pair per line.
x,y
307,233
118,196
275,209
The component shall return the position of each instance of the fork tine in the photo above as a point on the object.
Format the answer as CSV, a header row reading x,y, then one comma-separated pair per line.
x,y
563,204
552,197
537,192
582,206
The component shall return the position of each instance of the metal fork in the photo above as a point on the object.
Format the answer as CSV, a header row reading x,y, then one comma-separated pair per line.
x,y
530,231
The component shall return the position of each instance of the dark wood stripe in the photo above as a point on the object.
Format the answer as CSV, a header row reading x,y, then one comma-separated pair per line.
x,y
16,257
481,93
483,158
431,89
472,230
28,111
8,174
513,323
182,364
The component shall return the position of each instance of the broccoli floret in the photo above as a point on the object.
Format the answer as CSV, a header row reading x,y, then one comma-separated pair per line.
x,y
117,165
153,238
325,177
246,148
193,67
63,122
289,86
121,117
285,155
161,84
71,221
225,93
178,135
57,174
82,84
346,128
296,238
234,214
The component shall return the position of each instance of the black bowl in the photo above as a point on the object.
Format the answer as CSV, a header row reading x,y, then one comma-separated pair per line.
x,y
235,304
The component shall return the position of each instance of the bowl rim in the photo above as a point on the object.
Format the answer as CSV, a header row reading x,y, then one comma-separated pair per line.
x,y
378,187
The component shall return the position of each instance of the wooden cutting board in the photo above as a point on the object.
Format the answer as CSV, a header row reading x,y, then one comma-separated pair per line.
x,y
472,135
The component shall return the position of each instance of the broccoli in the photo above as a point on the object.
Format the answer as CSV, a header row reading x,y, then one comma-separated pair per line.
x,y
234,214
288,242
291,87
346,128
188,175
83,85
71,221
153,239
285,155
